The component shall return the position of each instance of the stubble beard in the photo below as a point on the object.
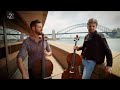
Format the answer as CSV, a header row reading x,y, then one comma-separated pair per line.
x,y
39,33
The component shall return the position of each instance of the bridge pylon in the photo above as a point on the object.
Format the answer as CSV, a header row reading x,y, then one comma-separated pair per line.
x,y
22,37
53,35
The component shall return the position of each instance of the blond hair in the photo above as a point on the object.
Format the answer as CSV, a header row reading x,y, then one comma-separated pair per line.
x,y
92,20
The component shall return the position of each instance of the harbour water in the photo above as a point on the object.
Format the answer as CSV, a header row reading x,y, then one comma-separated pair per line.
x,y
114,43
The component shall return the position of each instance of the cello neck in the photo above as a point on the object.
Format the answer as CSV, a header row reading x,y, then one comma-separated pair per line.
x,y
74,53
75,45
76,39
43,59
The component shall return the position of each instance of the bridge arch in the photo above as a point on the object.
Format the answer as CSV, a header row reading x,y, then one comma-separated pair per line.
x,y
67,29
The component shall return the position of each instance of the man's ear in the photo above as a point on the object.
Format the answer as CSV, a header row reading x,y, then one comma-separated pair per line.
x,y
33,28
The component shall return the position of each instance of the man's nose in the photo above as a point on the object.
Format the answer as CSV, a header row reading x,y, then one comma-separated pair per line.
x,y
92,27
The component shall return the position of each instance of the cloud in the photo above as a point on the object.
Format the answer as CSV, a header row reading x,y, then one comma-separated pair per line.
x,y
59,20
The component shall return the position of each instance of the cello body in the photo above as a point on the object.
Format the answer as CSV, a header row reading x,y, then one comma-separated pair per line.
x,y
37,68
42,68
72,72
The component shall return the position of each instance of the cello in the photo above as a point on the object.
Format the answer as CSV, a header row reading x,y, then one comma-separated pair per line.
x,y
73,60
42,68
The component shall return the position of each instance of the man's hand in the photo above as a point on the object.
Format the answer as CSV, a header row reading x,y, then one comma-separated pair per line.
x,y
108,69
47,53
25,76
76,47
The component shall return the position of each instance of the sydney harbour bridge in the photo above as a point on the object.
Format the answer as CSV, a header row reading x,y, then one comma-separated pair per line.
x,y
72,28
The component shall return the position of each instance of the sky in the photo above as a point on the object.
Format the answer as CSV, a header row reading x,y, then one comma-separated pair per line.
x,y
58,20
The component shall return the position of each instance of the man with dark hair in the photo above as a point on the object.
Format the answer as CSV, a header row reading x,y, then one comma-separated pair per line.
x,y
94,50
33,46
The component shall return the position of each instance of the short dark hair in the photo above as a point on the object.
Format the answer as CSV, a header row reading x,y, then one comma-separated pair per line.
x,y
34,22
